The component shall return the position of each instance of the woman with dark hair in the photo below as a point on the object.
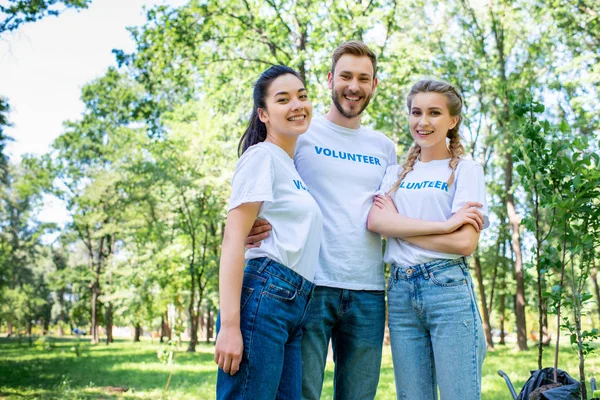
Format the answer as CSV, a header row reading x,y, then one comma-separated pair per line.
x,y
264,294
432,209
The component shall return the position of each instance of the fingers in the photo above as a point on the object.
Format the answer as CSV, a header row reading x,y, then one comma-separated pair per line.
x,y
260,222
256,239
235,365
383,205
474,223
258,229
230,364
479,218
470,204
226,365
384,201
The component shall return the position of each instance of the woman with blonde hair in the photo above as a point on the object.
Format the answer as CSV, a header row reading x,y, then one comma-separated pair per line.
x,y
432,209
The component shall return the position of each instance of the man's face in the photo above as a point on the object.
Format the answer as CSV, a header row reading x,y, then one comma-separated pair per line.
x,y
352,85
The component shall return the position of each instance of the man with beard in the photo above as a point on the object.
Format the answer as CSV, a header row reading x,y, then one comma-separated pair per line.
x,y
342,163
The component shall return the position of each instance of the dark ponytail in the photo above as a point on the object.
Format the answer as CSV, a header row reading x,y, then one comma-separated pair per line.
x,y
256,131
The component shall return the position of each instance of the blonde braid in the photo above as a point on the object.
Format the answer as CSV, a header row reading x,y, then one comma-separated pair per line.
x,y
408,166
456,151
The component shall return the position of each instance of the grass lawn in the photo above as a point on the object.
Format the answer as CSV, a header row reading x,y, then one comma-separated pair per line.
x,y
30,372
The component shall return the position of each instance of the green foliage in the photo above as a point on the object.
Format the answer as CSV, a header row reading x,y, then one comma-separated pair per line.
x,y
563,180
17,12
4,139
44,343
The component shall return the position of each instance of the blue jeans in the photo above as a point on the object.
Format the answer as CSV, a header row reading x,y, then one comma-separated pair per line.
x,y
354,320
273,311
436,332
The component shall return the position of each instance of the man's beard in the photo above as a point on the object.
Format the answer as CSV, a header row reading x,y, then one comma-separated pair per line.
x,y
336,97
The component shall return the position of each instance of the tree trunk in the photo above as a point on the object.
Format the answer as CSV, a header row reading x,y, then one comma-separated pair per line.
x,y
94,319
109,323
44,324
546,338
60,322
162,329
577,315
515,224
193,320
209,325
137,332
594,276
486,316
9,328
169,329
502,318
202,327
193,331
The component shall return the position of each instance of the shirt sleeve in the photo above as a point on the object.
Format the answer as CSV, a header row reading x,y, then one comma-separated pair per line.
x,y
393,156
253,178
470,186
390,177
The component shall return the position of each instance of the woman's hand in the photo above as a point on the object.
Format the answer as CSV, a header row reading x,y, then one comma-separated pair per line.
x,y
468,214
228,349
385,202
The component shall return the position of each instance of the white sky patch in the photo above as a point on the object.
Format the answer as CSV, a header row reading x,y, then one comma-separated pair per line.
x,y
44,65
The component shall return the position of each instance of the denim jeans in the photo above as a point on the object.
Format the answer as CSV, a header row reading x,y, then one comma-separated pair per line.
x,y
273,311
436,332
354,321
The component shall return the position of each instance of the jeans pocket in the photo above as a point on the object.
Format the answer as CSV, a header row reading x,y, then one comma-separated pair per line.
x,y
474,299
280,291
450,276
246,294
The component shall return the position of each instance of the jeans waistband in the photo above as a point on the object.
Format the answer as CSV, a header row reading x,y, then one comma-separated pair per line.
x,y
266,265
425,269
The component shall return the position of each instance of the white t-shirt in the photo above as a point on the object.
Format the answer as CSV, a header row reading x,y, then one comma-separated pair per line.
x,y
424,194
266,173
343,168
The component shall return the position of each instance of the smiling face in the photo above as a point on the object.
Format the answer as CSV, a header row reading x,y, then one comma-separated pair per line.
x,y
352,84
429,122
288,109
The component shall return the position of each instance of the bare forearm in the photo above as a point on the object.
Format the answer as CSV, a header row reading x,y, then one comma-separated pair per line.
x,y
396,225
462,241
231,274
231,268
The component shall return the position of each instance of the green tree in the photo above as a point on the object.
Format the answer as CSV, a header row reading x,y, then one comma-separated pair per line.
x,y
87,164
17,12
4,139
23,288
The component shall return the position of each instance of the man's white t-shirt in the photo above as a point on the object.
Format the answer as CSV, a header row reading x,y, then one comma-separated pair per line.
x,y
266,173
343,168
425,195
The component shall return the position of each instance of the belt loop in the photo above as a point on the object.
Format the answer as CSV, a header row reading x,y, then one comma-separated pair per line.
x,y
424,271
396,272
264,264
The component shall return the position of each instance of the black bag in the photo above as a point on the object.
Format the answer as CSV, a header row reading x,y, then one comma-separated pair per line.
x,y
571,389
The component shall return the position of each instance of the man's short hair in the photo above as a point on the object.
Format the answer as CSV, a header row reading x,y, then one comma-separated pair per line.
x,y
355,48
